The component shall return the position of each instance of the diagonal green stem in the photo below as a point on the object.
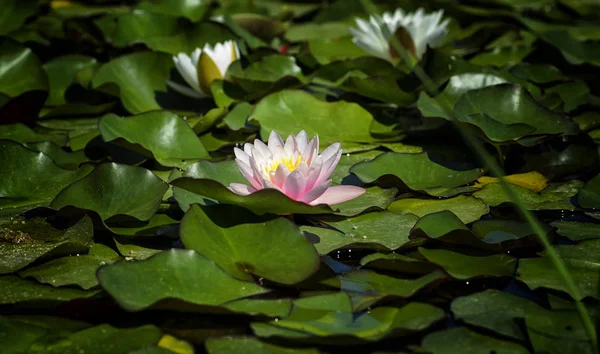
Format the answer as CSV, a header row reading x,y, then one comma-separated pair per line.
x,y
497,170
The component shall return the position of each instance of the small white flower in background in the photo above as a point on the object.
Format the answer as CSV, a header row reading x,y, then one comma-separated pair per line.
x,y
204,66
424,29
295,168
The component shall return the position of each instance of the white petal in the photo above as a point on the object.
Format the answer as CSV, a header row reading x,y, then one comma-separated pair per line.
x,y
241,189
187,70
301,141
185,90
243,156
275,141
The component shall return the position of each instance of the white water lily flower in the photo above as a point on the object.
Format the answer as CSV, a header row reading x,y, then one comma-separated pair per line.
x,y
295,168
424,30
202,67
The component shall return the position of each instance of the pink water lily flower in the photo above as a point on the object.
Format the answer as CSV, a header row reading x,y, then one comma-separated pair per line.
x,y
295,168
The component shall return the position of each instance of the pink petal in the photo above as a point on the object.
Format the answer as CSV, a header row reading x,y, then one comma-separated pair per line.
x,y
294,185
248,174
241,155
315,192
262,150
290,145
301,141
241,189
256,171
331,150
248,149
280,175
329,166
313,173
338,194
275,141
312,150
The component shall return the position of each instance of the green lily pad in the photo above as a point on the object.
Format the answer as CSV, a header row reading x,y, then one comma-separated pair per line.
x,y
250,345
126,190
371,326
138,77
134,249
44,178
64,159
150,228
397,263
417,171
177,274
582,260
166,135
517,116
289,112
62,73
557,332
21,69
77,270
460,339
272,308
23,242
495,310
505,231
466,208
260,75
457,86
102,339
373,199
576,230
589,195
556,196
263,201
375,228
227,235
17,290
461,266
373,283
347,160
193,10
24,134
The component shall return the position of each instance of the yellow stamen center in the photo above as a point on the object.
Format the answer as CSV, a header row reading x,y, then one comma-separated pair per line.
x,y
288,162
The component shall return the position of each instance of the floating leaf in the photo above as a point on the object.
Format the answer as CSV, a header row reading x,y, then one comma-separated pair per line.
x,y
374,228
371,282
374,198
467,209
250,345
289,112
589,195
556,196
397,263
263,201
193,10
74,270
23,134
244,244
517,116
24,242
16,290
21,69
44,178
373,325
460,339
177,274
166,135
124,190
461,267
139,76
417,171
62,73
495,310
581,259
534,181
576,230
